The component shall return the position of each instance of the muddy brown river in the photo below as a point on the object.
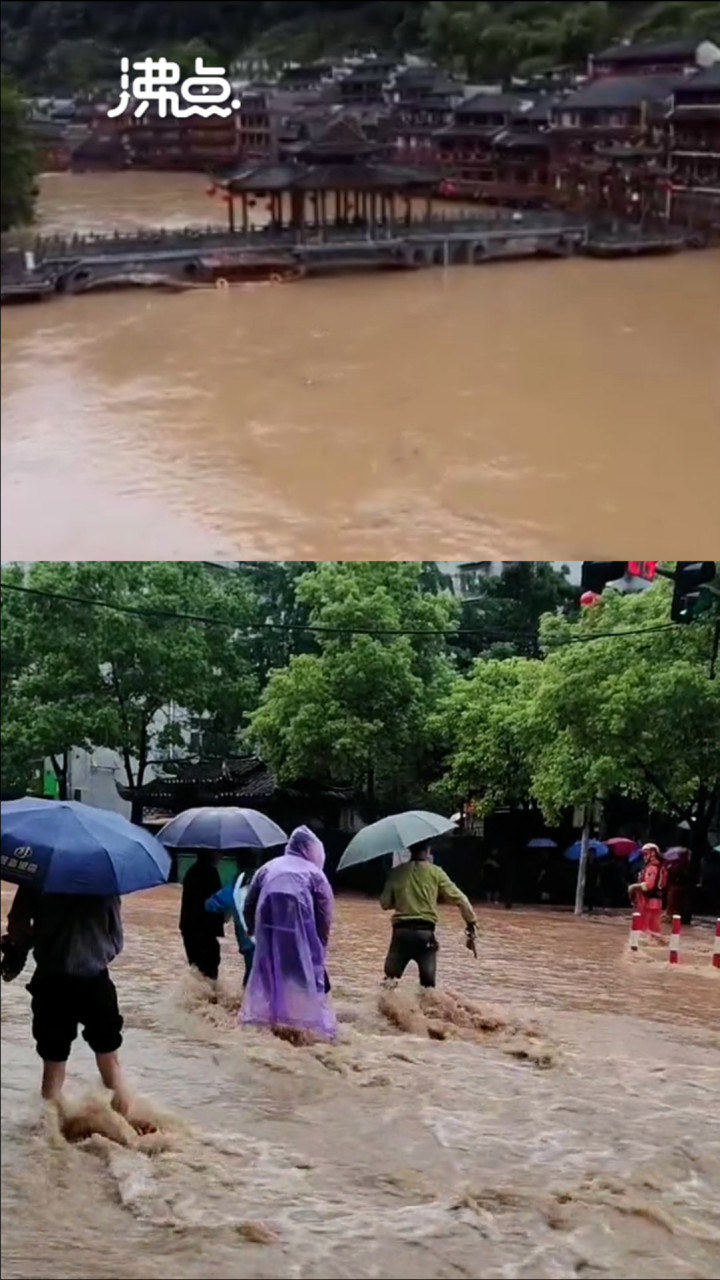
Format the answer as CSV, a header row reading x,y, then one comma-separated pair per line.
x,y
556,409
550,1112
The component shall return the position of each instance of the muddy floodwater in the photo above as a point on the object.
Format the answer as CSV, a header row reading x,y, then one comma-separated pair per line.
x,y
514,410
550,1112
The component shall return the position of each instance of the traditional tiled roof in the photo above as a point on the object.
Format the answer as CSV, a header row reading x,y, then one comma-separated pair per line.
x,y
490,104
620,92
699,82
244,780
312,72
649,51
520,140
368,73
356,175
432,78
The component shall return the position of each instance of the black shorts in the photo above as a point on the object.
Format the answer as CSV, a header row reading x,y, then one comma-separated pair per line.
x,y
61,1004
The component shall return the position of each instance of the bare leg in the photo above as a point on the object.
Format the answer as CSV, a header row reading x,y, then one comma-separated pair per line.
x,y
53,1079
111,1074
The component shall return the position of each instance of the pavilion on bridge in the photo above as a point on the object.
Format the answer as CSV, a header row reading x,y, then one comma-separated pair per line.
x,y
335,182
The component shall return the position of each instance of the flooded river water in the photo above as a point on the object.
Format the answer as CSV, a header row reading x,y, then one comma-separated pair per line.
x,y
550,1112
521,409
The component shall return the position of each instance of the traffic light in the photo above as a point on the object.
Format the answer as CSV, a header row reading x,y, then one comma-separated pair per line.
x,y
690,595
596,574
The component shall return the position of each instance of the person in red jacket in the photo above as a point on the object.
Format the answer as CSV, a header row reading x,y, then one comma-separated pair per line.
x,y
647,893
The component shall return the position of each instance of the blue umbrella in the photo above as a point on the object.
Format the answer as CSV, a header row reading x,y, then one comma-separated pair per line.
x,y
595,846
222,828
542,842
61,846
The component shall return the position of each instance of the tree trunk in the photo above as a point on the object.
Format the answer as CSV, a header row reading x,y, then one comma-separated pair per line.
x,y
60,766
371,797
582,865
137,807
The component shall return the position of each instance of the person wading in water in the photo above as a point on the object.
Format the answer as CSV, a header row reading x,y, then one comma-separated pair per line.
x,y
201,931
647,894
412,891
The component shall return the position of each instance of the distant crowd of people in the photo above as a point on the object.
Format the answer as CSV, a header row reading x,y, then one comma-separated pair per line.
x,y
547,877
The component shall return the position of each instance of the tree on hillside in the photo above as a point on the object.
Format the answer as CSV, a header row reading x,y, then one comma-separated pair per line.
x,y
357,711
489,40
185,53
78,65
92,675
17,161
485,39
660,21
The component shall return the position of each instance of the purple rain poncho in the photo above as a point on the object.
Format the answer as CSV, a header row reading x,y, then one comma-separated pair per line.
x,y
288,910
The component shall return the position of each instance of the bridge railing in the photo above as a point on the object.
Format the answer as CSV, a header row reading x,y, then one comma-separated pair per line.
x,y
149,240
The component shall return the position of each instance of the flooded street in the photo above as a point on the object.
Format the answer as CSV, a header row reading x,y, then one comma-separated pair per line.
x,y
551,1111
513,409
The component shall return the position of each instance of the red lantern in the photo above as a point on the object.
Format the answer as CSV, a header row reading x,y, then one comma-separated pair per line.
x,y
589,598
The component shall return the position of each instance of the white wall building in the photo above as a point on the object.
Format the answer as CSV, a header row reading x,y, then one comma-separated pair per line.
x,y
92,775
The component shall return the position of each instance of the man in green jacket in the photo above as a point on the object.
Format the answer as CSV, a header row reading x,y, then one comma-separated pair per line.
x,y
412,891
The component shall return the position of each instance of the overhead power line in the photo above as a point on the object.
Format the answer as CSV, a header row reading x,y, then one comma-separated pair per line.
x,y
169,615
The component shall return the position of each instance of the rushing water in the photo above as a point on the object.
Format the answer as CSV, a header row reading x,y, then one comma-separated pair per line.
x,y
549,1113
538,408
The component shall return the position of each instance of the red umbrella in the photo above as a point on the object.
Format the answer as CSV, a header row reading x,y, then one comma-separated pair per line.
x,y
622,846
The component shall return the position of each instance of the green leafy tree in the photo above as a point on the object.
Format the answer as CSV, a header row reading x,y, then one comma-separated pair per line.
x,y
78,65
484,39
186,52
501,614
17,161
281,613
357,711
482,727
92,675
634,713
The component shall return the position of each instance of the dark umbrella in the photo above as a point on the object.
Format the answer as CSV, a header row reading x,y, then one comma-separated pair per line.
x,y
62,846
222,828
542,842
594,846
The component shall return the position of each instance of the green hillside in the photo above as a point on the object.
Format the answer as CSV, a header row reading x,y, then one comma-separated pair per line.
x,y
75,41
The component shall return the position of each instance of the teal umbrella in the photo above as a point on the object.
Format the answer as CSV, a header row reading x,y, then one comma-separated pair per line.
x,y
393,834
